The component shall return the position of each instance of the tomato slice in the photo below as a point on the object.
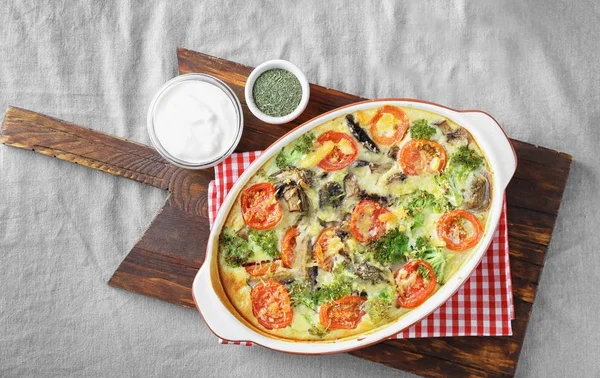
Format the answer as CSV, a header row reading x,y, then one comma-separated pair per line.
x,y
260,208
398,130
337,159
460,229
418,156
260,268
366,223
343,313
288,245
271,304
328,244
412,288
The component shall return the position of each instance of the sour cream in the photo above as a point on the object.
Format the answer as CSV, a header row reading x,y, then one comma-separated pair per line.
x,y
195,121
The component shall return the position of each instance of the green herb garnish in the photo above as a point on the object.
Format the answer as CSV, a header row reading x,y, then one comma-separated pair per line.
x,y
390,248
301,294
265,241
301,147
380,306
234,249
466,158
277,92
419,200
420,129
340,287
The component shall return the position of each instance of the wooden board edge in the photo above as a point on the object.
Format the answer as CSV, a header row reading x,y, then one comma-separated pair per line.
x,y
139,273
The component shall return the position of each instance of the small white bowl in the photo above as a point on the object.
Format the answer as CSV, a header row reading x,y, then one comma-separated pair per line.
x,y
284,65
168,86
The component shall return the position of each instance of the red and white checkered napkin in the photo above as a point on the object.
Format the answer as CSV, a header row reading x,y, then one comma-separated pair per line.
x,y
483,306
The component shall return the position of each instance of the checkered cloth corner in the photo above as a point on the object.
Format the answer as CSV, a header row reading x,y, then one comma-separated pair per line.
x,y
483,306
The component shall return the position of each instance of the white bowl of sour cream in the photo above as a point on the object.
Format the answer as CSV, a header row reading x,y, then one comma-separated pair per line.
x,y
195,121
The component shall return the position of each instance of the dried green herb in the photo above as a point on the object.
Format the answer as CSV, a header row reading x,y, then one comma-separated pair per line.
x,y
277,92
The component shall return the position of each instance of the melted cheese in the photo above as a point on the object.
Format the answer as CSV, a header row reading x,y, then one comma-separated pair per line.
x,y
316,156
334,246
346,147
388,217
386,125
364,118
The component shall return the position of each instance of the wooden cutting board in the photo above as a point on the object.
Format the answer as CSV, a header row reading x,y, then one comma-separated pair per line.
x,y
164,261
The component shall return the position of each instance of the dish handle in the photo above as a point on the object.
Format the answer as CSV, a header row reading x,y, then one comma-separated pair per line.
x,y
218,319
497,144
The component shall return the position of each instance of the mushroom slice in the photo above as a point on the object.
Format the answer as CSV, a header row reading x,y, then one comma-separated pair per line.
x,y
312,272
361,135
243,233
393,152
442,123
291,174
477,195
294,198
351,185
360,163
383,200
331,194
458,135
352,189
341,232
380,167
369,272
397,177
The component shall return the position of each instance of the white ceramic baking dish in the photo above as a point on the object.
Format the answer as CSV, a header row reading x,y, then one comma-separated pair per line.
x,y
224,321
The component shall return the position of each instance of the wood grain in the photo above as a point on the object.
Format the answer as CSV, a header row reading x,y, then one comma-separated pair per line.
x,y
185,207
164,261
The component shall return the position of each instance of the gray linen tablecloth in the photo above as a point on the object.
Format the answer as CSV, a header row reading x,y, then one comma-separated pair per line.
x,y
64,229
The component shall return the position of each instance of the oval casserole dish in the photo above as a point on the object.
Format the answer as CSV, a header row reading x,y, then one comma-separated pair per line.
x,y
224,320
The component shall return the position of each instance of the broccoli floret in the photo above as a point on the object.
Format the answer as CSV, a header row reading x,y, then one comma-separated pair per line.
x,y
282,160
423,271
301,147
420,129
265,241
466,158
234,249
423,250
380,306
449,183
418,219
340,287
462,163
438,260
390,248
420,201
300,293
305,143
